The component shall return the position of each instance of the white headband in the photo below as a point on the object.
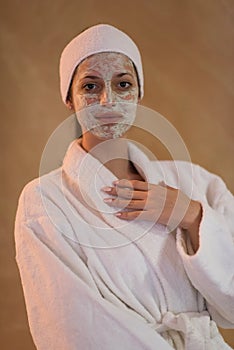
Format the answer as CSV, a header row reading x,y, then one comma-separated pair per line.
x,y
96,39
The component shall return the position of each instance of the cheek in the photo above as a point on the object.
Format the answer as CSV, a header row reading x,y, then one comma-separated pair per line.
x,y
91,100
82,101
129,96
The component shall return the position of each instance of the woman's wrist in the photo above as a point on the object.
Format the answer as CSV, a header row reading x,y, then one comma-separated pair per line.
x,y
191,223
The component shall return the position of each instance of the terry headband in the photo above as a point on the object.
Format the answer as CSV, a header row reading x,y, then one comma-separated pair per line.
x,y
96,39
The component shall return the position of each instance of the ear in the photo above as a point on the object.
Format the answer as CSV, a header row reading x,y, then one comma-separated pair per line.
x,y
69,105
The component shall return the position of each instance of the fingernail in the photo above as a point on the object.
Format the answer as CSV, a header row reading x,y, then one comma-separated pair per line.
x,y
107,200
106,189
115,182
118,214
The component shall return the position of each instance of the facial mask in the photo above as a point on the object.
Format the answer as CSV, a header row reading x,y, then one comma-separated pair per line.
x,y
106,122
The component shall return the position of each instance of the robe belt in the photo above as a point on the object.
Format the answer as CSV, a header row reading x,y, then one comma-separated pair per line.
x,y
196,328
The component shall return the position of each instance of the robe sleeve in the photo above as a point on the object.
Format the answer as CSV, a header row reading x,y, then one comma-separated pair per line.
x,y
211,269
64,306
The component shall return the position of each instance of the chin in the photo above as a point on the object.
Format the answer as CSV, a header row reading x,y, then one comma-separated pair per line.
x,y
109,132
108,136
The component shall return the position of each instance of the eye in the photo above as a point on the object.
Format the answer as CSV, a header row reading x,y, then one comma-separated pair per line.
x,y
125,84
89,86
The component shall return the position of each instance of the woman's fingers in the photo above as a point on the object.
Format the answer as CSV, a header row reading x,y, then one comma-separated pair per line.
x,y
124,203
137,215
133,184
125,192
130,215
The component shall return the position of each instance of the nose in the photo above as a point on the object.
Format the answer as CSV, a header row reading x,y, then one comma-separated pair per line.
x,y
107,98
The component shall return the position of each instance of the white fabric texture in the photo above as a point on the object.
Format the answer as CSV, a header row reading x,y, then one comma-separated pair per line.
x,y
96,39
90,286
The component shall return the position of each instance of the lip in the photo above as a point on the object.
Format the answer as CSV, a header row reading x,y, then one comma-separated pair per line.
x,y
109,117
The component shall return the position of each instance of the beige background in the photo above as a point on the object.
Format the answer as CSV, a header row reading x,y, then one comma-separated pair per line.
x,y
188,53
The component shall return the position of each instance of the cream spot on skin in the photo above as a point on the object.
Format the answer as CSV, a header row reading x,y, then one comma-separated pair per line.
x,y
105,84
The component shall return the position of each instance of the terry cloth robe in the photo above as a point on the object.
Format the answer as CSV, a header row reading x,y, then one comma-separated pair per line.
x,y
93,281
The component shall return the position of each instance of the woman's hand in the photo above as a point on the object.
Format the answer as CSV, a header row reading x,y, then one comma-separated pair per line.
x,y
163,204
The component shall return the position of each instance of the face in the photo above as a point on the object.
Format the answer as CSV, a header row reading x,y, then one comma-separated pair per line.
x,y
104,94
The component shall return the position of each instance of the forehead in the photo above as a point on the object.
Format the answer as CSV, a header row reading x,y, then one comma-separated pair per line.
x,y
101,61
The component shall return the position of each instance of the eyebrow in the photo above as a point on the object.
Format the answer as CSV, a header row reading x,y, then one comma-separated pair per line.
x,y
91,77
122,74
96,77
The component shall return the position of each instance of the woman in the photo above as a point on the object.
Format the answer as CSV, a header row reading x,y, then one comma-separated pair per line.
x,y
113,250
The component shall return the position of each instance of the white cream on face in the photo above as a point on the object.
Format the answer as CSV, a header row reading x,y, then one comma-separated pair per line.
x,y
105,86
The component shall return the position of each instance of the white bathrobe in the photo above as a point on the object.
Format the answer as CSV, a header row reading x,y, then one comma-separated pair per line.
x,y
93,281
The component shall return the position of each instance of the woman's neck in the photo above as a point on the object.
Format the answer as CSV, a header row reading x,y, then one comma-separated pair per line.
x,y
113,154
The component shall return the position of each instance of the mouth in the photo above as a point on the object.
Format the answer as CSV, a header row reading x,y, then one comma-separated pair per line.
x,y
109,118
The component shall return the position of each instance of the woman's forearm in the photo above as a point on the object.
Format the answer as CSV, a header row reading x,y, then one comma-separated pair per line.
x,y
191,223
